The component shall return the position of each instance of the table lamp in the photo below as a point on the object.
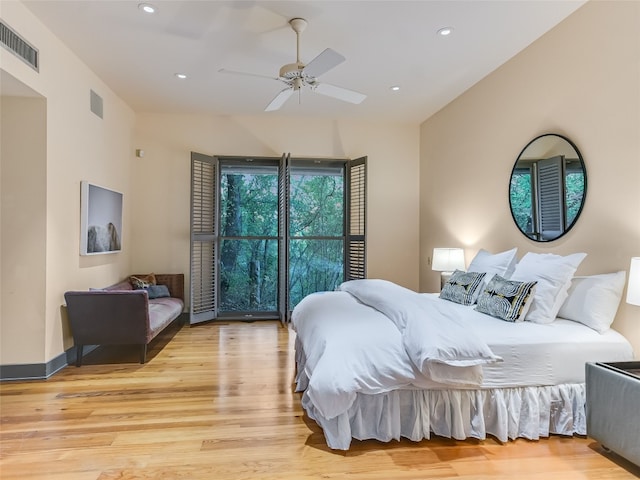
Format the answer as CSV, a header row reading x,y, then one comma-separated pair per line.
x,y
633,288
445,261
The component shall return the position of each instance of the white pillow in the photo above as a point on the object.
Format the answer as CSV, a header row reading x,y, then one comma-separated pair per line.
x,y
553,274
594,300
502,264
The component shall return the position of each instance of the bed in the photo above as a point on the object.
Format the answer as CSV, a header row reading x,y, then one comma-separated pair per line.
x,y
378,361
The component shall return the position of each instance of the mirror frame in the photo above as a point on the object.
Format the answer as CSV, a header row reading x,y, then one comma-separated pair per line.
x,y
584,193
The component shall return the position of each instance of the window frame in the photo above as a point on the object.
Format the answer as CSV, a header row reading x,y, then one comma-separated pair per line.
x,y
205,200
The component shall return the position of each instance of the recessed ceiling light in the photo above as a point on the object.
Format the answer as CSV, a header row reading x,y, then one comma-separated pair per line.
x,y
147,8
443,32
395,88
181,76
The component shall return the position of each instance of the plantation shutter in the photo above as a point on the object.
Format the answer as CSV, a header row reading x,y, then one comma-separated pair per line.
x,y
204,255
551,205
283,237
355,251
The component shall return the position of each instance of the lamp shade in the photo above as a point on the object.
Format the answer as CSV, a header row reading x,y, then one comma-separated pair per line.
x,y
633,288
448,259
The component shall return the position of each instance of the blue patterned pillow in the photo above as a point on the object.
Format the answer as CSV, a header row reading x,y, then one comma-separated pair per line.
x,y
158,291
506,299
462,287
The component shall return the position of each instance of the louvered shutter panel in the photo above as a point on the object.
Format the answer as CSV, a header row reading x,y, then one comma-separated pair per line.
x,y
203,238
355,251
551,205
283,238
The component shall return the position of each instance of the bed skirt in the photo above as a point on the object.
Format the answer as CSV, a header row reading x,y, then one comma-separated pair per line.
x,y
505,413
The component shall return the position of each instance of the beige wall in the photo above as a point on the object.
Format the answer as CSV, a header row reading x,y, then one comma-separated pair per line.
x,y
582,80
78,146
23,192
81,146
161,179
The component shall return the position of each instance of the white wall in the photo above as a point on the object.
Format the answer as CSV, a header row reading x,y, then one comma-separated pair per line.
x,y
161,180
582,80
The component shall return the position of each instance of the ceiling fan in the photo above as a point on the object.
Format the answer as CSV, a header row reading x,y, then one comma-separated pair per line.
x,y
297,75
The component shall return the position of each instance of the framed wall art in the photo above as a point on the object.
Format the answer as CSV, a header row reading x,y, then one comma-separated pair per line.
x,y
100,220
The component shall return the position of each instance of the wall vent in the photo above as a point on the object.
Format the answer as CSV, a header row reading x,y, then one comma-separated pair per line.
x,y
19,46
96,103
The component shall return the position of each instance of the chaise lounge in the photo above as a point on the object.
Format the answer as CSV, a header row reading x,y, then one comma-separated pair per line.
x,y
122,315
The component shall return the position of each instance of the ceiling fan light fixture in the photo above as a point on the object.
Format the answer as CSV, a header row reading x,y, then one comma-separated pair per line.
x,y
445,31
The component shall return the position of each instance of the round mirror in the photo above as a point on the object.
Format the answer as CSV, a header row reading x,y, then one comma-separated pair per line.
x,y
548,187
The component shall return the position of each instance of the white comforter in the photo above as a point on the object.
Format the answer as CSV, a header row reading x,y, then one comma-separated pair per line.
x,y
374,336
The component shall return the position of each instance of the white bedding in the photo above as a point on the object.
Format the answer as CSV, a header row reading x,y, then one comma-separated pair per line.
x,y
358,367
433,334
535,354
349,348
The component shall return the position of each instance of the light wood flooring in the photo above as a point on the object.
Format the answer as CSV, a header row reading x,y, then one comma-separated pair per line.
x,y
215,401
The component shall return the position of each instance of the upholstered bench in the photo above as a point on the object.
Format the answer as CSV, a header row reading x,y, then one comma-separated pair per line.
x,y
123,315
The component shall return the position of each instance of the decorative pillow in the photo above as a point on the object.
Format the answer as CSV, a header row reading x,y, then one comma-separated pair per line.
x,y
553,274
506,299
594,300
502,264
142,281
158,291
462,287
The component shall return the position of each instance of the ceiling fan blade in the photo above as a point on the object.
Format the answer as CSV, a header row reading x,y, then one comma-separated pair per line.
x,y
277,102
323,63
340,93
235,72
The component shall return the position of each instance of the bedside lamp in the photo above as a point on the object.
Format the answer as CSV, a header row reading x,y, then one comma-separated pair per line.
x,y
445,261
633,288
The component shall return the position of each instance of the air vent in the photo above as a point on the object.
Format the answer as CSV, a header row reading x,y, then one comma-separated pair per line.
x,y
19,46
96,103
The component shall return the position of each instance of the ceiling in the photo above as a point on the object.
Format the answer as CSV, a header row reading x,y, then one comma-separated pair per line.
x,y
385,43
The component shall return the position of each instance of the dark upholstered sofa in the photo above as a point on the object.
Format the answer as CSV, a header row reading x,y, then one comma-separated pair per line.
x,y
120,315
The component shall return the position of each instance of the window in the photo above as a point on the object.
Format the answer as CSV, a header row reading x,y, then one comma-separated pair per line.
x,y
267,232
248,237
316,229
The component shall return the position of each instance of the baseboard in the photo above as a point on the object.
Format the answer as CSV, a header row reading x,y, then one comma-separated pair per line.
x,y
42,371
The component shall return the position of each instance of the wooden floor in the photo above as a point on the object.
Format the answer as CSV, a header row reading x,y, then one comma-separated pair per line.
x,y
215,401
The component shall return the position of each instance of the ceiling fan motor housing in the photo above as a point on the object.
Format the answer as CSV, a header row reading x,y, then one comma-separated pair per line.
x,y
291,70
